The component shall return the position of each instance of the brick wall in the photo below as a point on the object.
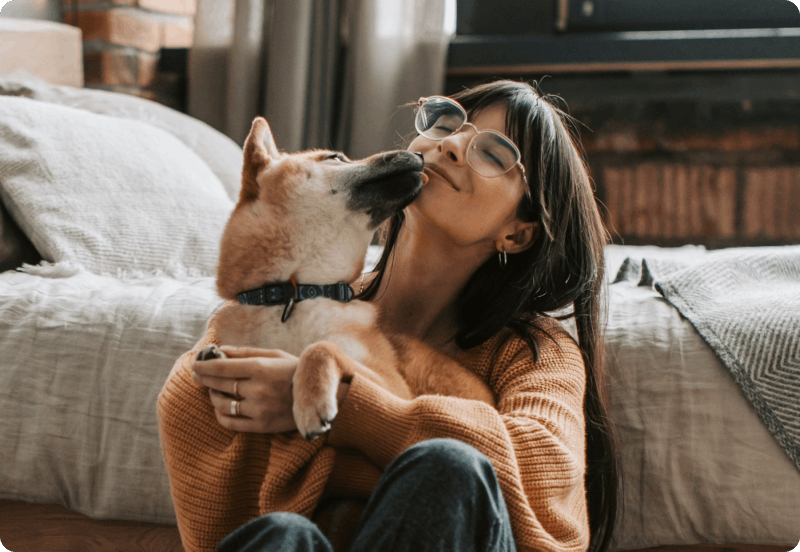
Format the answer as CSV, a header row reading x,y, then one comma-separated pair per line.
x,y
719,174
686,157
124,40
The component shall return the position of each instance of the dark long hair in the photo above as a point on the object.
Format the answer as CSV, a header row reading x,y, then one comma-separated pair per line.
x,y
563,269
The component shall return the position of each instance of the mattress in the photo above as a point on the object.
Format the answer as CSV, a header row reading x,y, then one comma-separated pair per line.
x,y
84,358
699,466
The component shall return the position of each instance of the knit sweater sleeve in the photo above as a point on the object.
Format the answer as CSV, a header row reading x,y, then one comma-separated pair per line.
x,y
220,479
535,437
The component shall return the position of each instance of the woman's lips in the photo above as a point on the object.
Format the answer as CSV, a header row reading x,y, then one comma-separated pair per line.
x,y
435,171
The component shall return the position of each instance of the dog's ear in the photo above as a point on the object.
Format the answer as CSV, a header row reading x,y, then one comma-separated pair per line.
x,y
259,146
259,150
261,138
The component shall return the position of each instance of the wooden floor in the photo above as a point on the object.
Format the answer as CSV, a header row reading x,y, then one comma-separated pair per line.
x,y
48,528
716,548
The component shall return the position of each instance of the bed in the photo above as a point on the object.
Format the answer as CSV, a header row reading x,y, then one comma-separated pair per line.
x,y
112,207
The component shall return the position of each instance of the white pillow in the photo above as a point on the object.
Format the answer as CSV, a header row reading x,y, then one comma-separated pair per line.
x,y
112,195
222,155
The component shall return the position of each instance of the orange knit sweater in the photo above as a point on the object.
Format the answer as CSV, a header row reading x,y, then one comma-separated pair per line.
x,y
535,439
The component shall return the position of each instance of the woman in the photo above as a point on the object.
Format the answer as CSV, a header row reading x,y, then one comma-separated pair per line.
x,y
505,230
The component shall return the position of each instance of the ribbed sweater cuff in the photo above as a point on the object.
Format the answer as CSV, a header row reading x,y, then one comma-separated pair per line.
x,y
373,421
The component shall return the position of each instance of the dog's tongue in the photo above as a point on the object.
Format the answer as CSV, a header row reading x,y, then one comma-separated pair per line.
x,y
424,178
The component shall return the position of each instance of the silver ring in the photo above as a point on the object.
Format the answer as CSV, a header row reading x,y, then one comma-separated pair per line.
x,y
235,409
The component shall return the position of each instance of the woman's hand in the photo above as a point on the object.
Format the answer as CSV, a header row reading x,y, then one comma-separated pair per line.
x,y
264,388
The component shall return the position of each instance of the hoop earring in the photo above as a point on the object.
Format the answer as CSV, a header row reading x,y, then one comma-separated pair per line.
x,y
503,258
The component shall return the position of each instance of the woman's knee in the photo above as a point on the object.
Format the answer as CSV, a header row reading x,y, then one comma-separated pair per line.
x,y
440,494
273,532
447,452
453,461
288,521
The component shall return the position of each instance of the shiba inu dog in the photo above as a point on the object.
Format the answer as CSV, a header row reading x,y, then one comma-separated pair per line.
x,y
297,236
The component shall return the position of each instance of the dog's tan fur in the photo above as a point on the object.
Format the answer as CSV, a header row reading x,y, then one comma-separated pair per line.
x,y
296,219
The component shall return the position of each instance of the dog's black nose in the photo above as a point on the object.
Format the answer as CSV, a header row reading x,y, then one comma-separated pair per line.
x,y
421,158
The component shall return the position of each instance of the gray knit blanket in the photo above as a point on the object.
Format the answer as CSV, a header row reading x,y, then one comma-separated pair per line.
x,y
745,303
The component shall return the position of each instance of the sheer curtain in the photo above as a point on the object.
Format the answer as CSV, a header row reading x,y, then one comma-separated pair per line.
x,y
325,73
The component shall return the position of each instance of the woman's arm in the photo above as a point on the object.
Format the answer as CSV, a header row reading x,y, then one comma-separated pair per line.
x,y
221,478
535,438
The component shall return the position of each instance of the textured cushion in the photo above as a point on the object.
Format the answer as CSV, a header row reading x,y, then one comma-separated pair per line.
x,y
112,195
221,154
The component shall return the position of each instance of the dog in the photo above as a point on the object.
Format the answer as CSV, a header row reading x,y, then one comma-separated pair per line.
x,y
297,236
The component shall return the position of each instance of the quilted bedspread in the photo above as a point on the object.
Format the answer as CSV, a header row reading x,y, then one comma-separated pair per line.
x,y
745,303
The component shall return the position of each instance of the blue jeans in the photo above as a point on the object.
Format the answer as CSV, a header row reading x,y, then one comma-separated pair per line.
x,y
439,495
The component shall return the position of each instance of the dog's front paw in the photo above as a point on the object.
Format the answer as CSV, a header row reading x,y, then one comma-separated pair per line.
x,y
210,352
315,404
313,415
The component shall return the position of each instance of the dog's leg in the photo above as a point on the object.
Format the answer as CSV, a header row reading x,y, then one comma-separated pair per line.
x,y
314,389
210,352
322,366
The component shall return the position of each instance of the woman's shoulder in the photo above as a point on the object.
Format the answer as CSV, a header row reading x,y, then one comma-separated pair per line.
x,y
552,340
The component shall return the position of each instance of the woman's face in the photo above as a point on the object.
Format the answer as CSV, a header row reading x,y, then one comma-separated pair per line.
x,y
468,207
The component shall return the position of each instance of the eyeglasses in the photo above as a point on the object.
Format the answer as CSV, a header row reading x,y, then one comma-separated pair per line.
x,y
489,153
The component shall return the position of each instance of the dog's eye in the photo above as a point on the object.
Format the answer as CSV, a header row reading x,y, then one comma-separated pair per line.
x,y
338,157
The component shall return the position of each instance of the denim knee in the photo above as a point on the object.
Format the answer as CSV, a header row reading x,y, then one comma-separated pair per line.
x,y
459,465
456,455
279,531
441,495
288,521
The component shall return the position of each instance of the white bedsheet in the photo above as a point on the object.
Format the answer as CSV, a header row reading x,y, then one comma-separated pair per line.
x,y
82,360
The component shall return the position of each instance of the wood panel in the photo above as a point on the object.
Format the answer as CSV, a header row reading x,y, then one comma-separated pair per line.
x,y
717,548
26,527
670,200
771,204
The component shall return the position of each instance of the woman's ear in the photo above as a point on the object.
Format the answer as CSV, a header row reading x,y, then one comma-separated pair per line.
x,y
519,237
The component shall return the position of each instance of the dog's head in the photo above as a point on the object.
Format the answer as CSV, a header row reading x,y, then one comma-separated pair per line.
x,y
310,215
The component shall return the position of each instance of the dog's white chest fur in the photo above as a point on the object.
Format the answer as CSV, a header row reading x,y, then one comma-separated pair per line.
x,y
310,321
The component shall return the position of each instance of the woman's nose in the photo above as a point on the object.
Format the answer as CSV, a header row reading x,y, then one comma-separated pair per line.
x,y
448,150
454,147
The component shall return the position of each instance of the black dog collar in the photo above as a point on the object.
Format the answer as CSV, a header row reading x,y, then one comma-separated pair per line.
x,y
286,293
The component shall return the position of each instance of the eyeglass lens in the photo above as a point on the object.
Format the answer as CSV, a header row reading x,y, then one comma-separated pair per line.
x,y
489,154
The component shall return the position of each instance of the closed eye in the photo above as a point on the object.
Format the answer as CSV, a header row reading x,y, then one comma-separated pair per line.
x,y
338,157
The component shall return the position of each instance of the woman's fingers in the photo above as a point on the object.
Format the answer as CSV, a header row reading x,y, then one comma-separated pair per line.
x,y
249,352
227,406
239,362
229,386
257,382
222,367
243,367
251,415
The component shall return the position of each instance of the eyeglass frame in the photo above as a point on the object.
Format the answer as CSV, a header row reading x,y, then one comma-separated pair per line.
x,y
518,163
